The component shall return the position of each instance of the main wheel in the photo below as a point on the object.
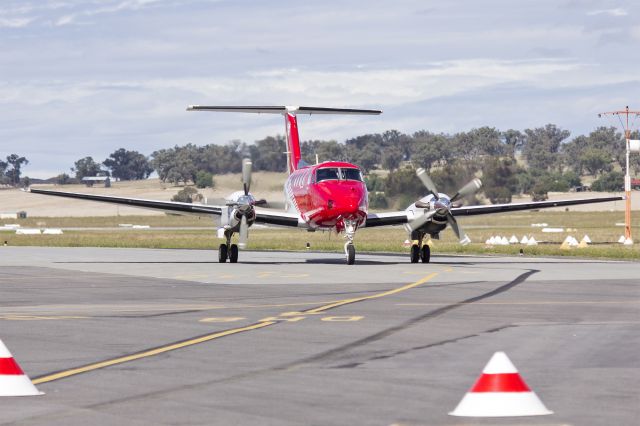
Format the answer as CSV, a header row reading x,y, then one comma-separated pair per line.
x,y
415,253
222,253
233,254
351,254
425,253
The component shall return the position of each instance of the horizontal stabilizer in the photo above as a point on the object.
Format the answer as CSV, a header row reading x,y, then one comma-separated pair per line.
x,y
283,109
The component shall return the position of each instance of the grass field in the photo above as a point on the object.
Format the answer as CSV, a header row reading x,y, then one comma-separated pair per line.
x,y
599,226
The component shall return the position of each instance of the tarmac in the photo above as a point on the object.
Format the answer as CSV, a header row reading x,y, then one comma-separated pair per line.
x,y
166,337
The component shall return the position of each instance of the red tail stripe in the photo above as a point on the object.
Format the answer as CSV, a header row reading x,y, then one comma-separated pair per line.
x,y
507,382
293,140
9,367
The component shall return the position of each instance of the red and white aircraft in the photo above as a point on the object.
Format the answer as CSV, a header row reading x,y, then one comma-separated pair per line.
x,y
330,195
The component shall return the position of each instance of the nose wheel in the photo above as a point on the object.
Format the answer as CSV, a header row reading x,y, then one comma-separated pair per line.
x,y
350,227
350,251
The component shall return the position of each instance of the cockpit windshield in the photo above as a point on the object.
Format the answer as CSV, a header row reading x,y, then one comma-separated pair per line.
x,y
327,174
351,174
334,173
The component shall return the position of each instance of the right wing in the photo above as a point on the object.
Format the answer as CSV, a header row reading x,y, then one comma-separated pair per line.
x,y
386,219
265,216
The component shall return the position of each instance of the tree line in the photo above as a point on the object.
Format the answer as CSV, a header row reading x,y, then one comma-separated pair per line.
x,y
532,161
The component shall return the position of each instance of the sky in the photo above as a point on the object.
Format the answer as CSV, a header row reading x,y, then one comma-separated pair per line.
x,y
85,78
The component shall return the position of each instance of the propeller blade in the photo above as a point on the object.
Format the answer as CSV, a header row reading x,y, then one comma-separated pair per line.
x,y
470,188
464,240
246,174
244,233
427,182
418,221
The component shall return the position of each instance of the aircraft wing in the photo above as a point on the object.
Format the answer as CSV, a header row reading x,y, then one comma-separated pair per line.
x,y
511,207
265,216
401,217
386,219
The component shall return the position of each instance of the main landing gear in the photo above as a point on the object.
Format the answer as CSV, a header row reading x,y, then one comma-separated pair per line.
x,y
228,250
420,251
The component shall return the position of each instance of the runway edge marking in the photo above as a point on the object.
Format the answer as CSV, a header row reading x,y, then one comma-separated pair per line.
x,y
201,339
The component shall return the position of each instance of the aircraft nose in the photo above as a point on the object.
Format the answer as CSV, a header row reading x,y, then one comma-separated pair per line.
x,y
350,203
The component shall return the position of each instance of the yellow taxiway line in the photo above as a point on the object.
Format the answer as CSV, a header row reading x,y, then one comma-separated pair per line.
x,y
197,340
148,353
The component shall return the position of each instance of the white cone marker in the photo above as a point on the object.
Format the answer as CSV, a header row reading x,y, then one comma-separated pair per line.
x,y
500,392
13,381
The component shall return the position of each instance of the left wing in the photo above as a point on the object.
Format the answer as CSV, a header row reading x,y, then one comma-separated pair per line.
x,y
404,216
512,207
265,216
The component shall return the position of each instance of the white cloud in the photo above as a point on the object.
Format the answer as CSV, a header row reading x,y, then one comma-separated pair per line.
x,y
15,22
611,12
357,86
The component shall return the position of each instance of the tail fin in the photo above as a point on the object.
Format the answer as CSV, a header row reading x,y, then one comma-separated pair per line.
x,y
293,142
290,121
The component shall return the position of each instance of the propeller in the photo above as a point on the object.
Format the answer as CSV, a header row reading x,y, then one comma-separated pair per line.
x,y
470,188
246,174
244,232
420,220
464,239
426,180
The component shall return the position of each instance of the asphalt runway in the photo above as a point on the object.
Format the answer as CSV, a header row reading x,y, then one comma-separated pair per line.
x,y
148,337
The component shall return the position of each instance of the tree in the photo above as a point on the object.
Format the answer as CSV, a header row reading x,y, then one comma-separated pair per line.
x,y
398,141
609,182
128,165
365,151
325,151
573,151
375,183
86,167
63,179
513,141
391,158
404,182
499,179
16,162
428,149
3,170
268,154
596,161
185,195
542,146
204,180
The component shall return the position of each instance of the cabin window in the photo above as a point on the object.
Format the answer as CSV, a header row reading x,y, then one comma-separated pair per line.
x,y
351,174
327,174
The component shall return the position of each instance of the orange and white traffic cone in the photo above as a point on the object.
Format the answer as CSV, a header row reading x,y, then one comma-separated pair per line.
x,y
500,392
13,381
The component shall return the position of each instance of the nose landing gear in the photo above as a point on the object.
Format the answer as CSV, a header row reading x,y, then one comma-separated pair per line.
x,y
350,226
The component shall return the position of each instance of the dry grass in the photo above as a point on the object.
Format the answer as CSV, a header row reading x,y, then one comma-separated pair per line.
x,y
599,226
